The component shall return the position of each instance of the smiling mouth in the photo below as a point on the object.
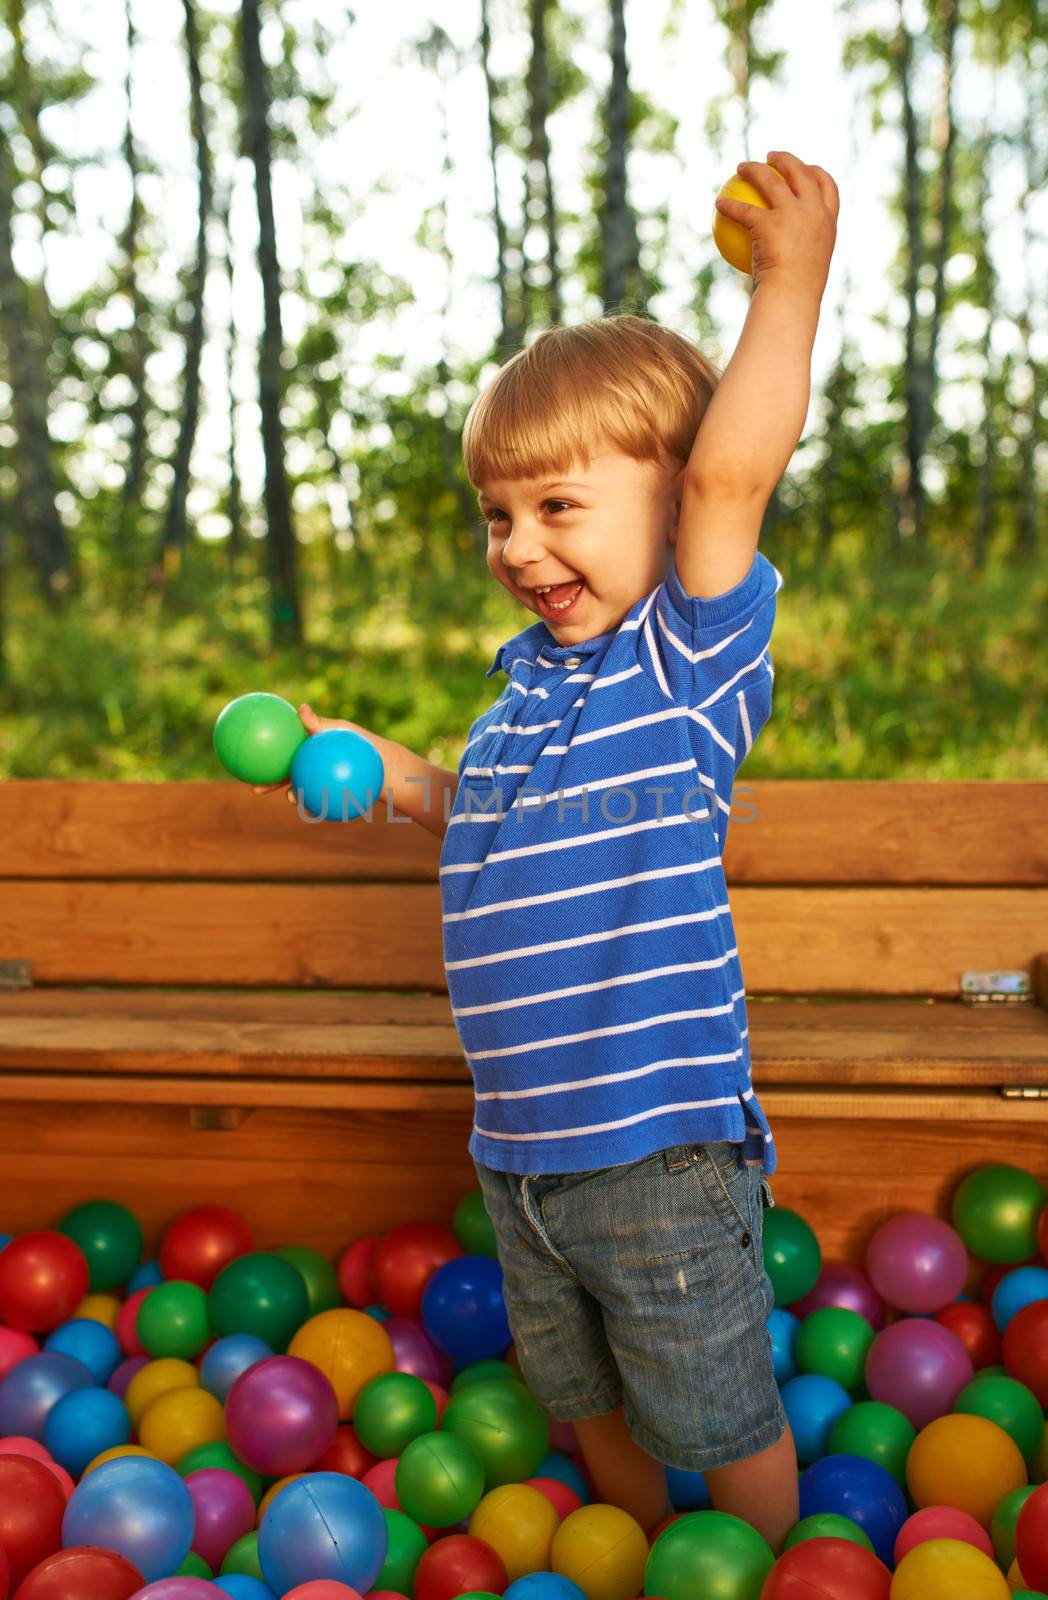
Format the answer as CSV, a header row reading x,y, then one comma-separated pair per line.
x,y
560,599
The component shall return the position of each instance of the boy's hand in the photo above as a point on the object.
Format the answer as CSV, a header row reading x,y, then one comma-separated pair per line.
x,y
312,724
793,239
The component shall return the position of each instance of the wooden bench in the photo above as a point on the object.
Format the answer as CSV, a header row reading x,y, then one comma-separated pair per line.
x,y
224,1003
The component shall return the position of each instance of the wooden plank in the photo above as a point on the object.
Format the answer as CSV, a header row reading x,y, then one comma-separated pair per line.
x,y
782,831
792,940
317,1035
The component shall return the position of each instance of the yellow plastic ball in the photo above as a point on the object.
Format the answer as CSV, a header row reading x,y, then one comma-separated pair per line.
x,y
272,1492
1016,1581
157,1378
180,1420
349,1348
731,238
115,1453
948,1569
104,1308
602,1549
519,1522
966,1462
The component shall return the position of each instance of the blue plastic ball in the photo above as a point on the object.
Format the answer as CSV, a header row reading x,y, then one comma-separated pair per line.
x,y
241,1586
544,1586
323,1525
139,1507
561,1467
782,1326
687,1490
1015,1290
90,1342
146,1276
863,1490
33,1386
5,1240
227,1358
813,1403
83,1424
463,1309
337,775
376,1312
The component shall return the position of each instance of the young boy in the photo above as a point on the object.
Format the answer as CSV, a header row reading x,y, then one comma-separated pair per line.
x,y
588,942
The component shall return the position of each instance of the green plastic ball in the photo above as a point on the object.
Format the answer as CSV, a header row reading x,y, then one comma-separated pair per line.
x,y
504,1423
259,1293
479,1371
709,1553
242,1556
878,1432
256,736
995,1211
827,1525
405,1549
218,1454
318,1275
390,1411
473,1227
834,1342
439,1479
1010,1404
193,1566
109,1236
791,1254
172,1320
1002,1523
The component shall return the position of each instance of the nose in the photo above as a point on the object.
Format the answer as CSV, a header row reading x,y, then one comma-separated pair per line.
x,y
523,545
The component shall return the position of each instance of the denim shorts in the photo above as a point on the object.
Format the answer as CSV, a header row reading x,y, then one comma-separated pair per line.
x,y
644,1286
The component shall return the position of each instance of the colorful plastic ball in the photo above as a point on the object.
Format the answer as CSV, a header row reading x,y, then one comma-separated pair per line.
x,y
812,1405
733,240
782,1329
177,1588
32,1504
415,1352
860,1490
127,1324
14,1347
242,1557
120,1380
346,1454
1002,1523
463,1310
318,1275
84,1423
405,1547
256,737
103,1308
478,1371
200,1242
110,1238
260,1294
89,1342
941,1522
139,1508
518,1523
281,1414
239,1586
703,1552
833,1342
557,1465
349,1348
172,1320
323,1525
1008,1403
506,1426
115,1454
323,1589
1031,1539
919,1367
391,1410
354,1271
688,1491
563,1500
996,1210
974,1326
966,1462
43,1278
827,1569
82,1574
157,1378
792,1257
1021,1287
225,1360
337,775
841,1284
917,1262
224,1510
36,1384
948,1569
439,1479
455,1564
145,1276
827,1525
877,1431
544,1586
178,1420
473,1227
1025,1348
404,1261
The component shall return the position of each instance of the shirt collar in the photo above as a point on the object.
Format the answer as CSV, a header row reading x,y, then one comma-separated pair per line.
x,y
537,640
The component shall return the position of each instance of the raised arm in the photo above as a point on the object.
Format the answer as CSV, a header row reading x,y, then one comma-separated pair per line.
x,y
757,412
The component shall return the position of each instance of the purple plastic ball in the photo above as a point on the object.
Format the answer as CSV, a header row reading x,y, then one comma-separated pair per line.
x,y
281,1415
917,1262
919,1367
124,1373
224,1509
415,1352
841,1284
177,1588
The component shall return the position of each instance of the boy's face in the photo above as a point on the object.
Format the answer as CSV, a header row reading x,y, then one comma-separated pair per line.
x,y
604,534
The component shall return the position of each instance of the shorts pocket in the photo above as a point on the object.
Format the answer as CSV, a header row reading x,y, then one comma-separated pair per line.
x,y
680,1277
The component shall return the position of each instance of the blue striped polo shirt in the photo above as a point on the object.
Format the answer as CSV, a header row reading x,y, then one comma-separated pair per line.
x,y
588,942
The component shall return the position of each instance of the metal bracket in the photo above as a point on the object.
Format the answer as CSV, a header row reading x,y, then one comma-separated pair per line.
x,y
217,1119
16,974
996,988
1025,1091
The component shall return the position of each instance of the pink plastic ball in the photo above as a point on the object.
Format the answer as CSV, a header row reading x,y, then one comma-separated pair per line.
x,y
838,1284
224,1510
326,1589
941,1522
919,1367
917,1262
127,1324
177,1588
18,1444
415,1352
120,1379
281,1415
14,1347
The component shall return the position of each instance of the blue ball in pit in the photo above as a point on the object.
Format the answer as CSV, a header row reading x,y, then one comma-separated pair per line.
x,y
336,775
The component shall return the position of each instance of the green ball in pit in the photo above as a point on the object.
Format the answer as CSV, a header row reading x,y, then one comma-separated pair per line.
x,y
256,737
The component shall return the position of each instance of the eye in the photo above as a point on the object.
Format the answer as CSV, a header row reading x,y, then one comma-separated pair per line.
x,y
496,514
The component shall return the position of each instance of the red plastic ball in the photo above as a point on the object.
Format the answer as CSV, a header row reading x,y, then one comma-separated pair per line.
x,y
1025,1348
127,1324
457,1563
405,1261
827,1569
345,1454
354,1271
440,1395
32,1504
85,1572
974,1326
381,1480
322,1589
1031,1539
199,1243
14,1347
561,1496
43,1278
1000,1270
659,1526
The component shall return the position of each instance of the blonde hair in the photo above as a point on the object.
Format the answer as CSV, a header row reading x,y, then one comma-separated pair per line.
x,y
621,379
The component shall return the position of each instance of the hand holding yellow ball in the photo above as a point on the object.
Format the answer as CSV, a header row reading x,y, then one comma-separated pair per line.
x,y
778,215
732,238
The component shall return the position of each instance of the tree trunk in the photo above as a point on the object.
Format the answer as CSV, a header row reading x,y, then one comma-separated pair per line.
x,y
620,252
280,544
1028,498
538,101
508,340
985,477
740,36
42,528
234,498
910,507
138,344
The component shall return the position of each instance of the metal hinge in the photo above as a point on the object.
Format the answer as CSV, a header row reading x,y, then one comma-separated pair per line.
x,y
16,974
996,988
1025,1091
